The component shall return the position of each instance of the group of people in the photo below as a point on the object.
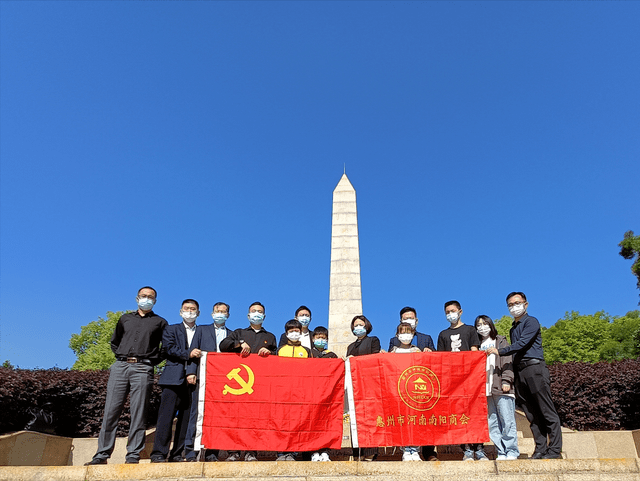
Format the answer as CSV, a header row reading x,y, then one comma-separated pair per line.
x,y
516,372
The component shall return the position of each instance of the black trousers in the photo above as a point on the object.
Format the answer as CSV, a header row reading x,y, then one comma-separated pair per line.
x,y
533,394
174,398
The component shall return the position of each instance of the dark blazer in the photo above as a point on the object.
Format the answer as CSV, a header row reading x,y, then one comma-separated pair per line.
x,y
175,350
421,340
366,345
205,340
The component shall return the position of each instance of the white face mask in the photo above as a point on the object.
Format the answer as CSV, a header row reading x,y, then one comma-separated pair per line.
x,y
453,317
256,318
517,310
411,321
405,338
484,330
189,315
294,336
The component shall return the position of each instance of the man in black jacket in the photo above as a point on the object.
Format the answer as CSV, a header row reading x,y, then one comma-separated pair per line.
x,y
250,340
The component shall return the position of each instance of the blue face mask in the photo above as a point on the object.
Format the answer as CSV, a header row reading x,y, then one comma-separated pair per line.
x,y
145,303
256,318
320,344
304,320
359,331
219,318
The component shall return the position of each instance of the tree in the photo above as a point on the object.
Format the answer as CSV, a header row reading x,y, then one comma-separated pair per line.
x,y
623,341
630,248
93,345
7,364
503,326
576,337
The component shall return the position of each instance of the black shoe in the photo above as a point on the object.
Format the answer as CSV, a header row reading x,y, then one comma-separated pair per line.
x,y
211,458
176,459
95,461
158,459
132,461
537,455
191,460
552,456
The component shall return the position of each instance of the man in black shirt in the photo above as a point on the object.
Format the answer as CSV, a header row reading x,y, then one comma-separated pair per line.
x,y
532,380
250,340
136,344
461,337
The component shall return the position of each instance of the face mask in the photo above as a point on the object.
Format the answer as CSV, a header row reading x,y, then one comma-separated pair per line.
x,y
145,303
484,330
452,317
219,318
320,344
517,310
411,321
359,331
405,338
256,318
304,320
294,336
189,315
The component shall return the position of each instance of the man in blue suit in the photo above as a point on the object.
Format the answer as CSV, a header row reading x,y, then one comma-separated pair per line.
x,y
176,391
423,341
207,339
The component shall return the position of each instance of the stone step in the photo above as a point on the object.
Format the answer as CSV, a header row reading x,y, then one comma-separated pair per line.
x,y
520,470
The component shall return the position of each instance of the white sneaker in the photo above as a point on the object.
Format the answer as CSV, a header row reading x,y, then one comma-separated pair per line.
x,y
324,457
407,456
501,457
315,457
416,456
511,458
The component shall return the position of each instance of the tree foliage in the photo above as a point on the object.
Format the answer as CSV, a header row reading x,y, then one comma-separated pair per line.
x,y
592,338
503,326
630,248
93,345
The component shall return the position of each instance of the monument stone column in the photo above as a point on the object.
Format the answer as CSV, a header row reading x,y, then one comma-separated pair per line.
x,y
345,292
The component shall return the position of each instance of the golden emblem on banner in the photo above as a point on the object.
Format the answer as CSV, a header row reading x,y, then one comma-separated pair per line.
x,y
419,388
246,386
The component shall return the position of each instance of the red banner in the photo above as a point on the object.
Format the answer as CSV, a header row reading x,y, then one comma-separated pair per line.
x,y
420,398
272,403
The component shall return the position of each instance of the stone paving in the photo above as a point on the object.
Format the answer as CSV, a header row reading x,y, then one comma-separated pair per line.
x,y
520,470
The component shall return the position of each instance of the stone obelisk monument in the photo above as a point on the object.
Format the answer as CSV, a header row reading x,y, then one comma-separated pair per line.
x,y
345,293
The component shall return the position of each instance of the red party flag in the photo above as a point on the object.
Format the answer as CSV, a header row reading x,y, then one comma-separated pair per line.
x,y
271,403
420,399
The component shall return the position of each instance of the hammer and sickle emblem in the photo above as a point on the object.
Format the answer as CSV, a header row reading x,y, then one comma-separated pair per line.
x,y
246,387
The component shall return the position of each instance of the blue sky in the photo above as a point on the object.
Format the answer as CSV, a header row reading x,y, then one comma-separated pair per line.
x,y
194,147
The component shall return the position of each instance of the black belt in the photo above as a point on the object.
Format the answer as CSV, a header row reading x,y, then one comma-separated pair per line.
x,y
134,360
529,362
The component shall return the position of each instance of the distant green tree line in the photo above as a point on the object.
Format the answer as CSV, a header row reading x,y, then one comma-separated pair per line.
x,y
587,338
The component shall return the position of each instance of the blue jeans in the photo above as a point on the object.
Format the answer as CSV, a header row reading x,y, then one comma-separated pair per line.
x,y
502,425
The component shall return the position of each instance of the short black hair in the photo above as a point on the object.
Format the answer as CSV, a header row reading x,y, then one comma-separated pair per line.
x,y
367,324
303,308
258,304
292,324
148,287
222,304
320,330
493,332
452,303
407,309
193,301
404,326
511,294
